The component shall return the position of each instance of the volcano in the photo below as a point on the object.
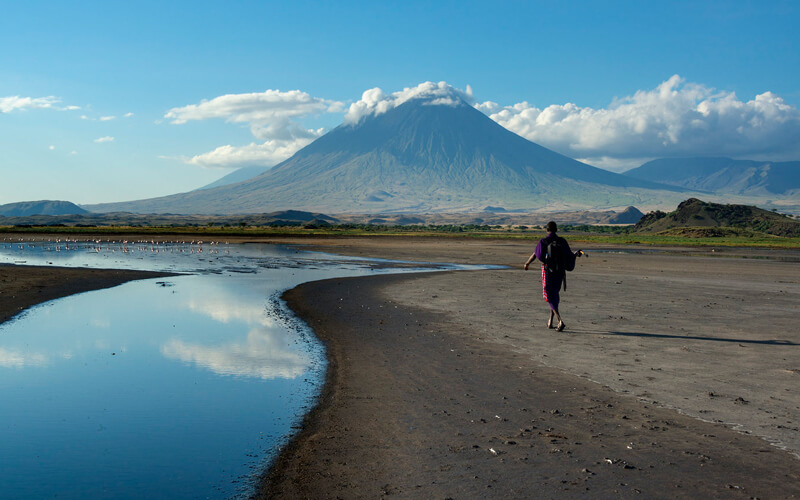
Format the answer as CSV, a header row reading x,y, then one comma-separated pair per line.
x,y
425,155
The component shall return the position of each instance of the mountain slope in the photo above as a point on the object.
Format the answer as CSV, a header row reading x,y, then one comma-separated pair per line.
x,y
417,157
43,207
238,175
723,175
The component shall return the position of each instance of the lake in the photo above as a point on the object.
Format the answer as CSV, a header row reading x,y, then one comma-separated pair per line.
x,y
180,387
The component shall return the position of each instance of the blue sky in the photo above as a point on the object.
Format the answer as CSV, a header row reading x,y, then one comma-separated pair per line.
x,y
113,101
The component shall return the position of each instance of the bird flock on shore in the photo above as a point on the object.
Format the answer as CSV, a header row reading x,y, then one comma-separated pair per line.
x,y
113,246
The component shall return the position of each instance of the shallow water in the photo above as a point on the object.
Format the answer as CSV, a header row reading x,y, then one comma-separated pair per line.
x,y
174,388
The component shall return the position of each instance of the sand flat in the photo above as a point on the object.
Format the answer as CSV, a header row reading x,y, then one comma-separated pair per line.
x,y
717,339
675,374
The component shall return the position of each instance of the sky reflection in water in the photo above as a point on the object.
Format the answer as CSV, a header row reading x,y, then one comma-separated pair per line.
x,y
174,388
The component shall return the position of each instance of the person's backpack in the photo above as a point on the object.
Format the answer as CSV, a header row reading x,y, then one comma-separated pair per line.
x,y
554,257
557,259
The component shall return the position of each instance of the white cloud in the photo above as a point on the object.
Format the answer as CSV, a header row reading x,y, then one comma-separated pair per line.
x,y
107,118
674,119
267,153
254,108
107,138
51,147
11,103
73,152
271,117
375,102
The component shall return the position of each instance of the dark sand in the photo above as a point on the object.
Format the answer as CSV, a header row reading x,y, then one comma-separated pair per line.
x,y
673,377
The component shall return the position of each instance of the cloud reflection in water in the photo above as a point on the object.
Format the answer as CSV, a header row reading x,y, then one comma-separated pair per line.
x,y
225,309
265,353
261,356
15,359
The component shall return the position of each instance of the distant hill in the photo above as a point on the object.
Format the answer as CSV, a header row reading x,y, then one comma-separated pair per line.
x,y
630,215
282,218
301,218
705,219
239,175
426,155
723,175
43,207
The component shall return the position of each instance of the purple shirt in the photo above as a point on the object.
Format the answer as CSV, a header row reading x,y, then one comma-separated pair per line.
x,y
541,248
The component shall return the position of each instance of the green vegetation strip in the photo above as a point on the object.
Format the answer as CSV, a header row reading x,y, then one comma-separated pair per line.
x,y
765,241
607,235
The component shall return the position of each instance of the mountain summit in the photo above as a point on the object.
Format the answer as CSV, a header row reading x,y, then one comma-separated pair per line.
x,y
430,154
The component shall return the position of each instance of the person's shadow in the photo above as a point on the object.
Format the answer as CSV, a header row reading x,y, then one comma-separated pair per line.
x,y
775,342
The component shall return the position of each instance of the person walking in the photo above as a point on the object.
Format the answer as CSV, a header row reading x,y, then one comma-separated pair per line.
x,y
556,257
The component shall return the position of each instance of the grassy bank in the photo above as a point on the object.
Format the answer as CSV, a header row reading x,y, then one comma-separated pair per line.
x,y
611,235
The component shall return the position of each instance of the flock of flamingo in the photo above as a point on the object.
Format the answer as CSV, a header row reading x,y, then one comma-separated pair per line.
x,y
124,246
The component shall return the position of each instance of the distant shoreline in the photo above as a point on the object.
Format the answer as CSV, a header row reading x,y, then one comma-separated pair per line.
x,y
334,238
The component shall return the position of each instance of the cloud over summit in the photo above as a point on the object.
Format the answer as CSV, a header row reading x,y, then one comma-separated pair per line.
x,y
375,102
676,118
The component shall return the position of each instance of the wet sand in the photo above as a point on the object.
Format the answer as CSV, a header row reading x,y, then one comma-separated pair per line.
x,y
675,374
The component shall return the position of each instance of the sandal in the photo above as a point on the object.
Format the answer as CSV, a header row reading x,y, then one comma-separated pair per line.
x,y
561,326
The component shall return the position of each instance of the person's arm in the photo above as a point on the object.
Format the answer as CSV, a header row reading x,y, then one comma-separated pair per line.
x,y
530,259
577,253
537,254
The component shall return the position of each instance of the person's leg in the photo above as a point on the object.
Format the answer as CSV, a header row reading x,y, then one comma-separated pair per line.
x,y
561,324
554,282
550,320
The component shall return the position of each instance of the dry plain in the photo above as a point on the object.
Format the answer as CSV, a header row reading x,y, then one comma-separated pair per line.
x,y
676,377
